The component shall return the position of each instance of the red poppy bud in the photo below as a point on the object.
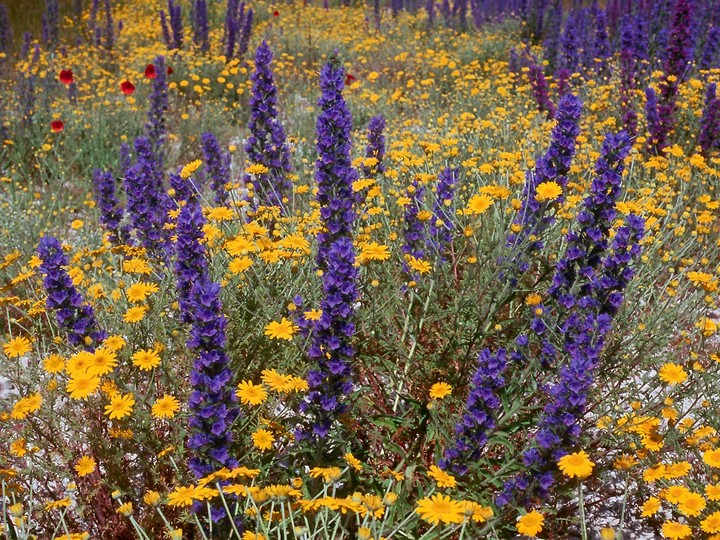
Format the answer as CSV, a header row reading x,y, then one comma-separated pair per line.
x,y
276,13
56,126
127,87
150,71
66,76
170,70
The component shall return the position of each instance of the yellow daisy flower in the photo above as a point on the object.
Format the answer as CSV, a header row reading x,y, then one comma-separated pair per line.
x,y
576,465
440,508
165,407
85,465
280,330
251,394
440,390
531,523
17,347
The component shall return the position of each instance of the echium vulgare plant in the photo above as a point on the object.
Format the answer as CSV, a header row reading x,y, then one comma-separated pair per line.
x,y
709,137
540,89
190,262
246,30
375,150
414,235
71,312
234,15
679,55
441,223
587,289
147,201
266,145
201,30
111,211
212,403
331,346
218,167
553,167
156,126
628,67
374,153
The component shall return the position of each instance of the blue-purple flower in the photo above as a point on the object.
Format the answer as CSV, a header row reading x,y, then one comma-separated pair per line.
x,y
111,212
201,30
212,403
156,126
441,224
375,148
478,421
709,137
147,201
267,145
331,347
554,166
234,22
217,164
414,233
72,314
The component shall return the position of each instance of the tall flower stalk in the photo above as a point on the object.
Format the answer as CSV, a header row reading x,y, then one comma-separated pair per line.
x,y
245,31
71,312
218,167
111,211
709,137
540,90
331,347
677,61
147,201
213,403
374,153
375,149
479,419
201,31
267,145
441,224
6,33
51,23
156,126
554,166
414,235
587,287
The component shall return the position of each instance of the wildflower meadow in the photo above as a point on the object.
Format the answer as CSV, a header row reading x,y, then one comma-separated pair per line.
x,y
403,269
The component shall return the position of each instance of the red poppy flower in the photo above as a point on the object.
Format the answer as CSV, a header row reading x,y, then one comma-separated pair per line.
x,y
56,126
150,72
276,13
66,76
170,70
127,87
349,79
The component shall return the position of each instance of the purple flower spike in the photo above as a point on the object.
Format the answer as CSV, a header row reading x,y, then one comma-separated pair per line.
x,y
111,212
147,201
709,137
331,346
72,314
213,403
588,286
267,145
471,433
217,163
442,224
156,127
553,166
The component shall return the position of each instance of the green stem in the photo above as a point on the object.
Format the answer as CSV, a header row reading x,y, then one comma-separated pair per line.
x,y
583,525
